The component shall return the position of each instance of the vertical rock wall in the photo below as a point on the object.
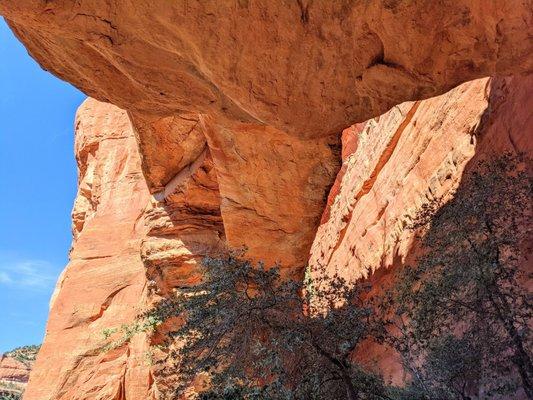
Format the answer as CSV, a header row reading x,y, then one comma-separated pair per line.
x,y
273,188
395,163
132,248
104,284
416,152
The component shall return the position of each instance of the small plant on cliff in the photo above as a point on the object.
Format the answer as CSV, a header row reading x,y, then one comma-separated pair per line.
x,y
255,336
124,334
462,315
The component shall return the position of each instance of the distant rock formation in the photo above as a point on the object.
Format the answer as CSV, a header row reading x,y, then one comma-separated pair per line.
x,y
15,367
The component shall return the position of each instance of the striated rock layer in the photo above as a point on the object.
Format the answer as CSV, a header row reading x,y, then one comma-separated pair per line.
x,y
14,374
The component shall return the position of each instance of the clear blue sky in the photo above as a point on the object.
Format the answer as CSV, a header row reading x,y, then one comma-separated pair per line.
x,y
37,188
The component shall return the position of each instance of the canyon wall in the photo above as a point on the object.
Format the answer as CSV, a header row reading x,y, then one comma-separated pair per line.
x,y
395,163
131,249
416,152
104,284
228,135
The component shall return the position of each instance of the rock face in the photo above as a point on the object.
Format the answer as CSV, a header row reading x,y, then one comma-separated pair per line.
x,y
131,248
304,67
228,136
395,163
307,70
416,152
273,188
104,284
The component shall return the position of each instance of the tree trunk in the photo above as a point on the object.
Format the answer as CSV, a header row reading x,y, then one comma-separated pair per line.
x,y
350,389
521,358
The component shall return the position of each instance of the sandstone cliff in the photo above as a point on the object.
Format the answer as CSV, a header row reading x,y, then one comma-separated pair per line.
x,y
131,249
416,152
396,163
104,284
229,136
280,74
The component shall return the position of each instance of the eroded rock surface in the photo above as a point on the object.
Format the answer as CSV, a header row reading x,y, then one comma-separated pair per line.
x,y
183,227
280,75
397,162
104,284
412,154
132,249
231,138
305,67
273,188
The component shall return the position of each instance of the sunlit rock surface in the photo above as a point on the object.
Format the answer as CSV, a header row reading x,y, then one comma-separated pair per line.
x,y
104,284
283,76
131,248
395,163
305,67
229,136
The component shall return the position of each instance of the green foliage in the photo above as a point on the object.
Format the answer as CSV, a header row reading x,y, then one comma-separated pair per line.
x,y
258,337
459,317
10,390
462,315
143,324
24,354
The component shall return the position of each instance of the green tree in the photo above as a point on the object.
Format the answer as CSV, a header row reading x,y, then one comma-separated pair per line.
x,y
256,338
462,313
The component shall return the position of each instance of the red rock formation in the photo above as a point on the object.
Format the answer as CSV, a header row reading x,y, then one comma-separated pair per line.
x,y
412,154
232,106
182,229
305,67
392,164
306,70
272,189
13,370
14,374
104,284
130,249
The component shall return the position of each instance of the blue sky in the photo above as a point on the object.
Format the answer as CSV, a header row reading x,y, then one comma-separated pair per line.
x,y
37,188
